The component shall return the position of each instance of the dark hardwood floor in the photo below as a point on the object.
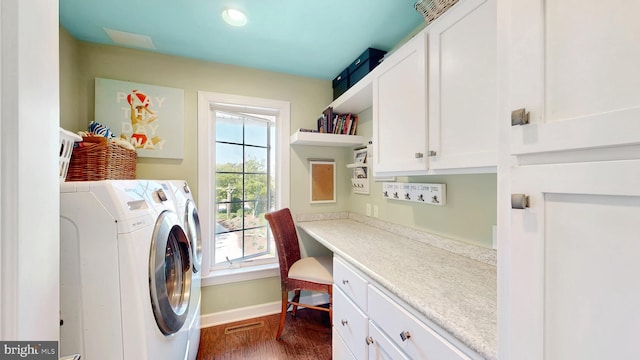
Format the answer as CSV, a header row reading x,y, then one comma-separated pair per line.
x,y
306,336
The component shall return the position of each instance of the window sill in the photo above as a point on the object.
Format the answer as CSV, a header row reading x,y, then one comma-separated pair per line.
x,y
228,276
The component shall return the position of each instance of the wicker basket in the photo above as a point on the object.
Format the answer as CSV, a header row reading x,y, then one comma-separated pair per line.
x,y
100,159
432,9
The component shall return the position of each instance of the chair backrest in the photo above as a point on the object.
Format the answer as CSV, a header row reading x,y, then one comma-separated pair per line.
x,y
286,238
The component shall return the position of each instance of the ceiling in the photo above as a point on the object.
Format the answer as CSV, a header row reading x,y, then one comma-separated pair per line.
x,y
309,38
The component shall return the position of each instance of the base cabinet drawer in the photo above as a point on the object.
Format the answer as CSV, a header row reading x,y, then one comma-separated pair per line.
x,y
350,323
350,282
380,347
412,336
340,350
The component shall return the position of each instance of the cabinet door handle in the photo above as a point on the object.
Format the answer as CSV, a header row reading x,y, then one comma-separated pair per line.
x,y
419,155
519,117
433,153
369,340
405,335
344,322
345,282
519,201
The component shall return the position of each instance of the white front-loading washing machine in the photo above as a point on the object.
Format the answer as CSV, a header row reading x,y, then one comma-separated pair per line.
x,y
188,212
125,274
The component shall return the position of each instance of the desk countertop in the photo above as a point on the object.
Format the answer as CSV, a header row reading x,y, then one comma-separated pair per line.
x,y
457,292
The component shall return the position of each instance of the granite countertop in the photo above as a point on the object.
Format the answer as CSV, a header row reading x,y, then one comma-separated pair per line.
x,y
451,284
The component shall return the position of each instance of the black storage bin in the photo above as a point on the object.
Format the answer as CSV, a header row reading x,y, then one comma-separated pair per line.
x,y
341,83
366,62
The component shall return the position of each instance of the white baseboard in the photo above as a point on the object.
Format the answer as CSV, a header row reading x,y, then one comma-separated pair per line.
x,y
250,312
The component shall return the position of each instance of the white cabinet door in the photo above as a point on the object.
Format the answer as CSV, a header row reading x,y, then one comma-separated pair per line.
x,y
572,286
574,264
400,111
574,67
463,108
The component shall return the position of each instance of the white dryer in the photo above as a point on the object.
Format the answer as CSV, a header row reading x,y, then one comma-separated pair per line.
x,y
125,274
188,212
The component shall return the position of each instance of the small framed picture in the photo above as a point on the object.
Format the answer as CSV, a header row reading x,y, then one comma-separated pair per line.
x,y
322,181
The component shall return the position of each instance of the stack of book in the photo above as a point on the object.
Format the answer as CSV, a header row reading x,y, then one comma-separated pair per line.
x,y
333,123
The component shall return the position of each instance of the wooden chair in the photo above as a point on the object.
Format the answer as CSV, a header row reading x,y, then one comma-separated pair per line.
x,y
297,273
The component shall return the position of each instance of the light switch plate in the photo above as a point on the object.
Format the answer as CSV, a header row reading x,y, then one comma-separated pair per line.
x,y
433,194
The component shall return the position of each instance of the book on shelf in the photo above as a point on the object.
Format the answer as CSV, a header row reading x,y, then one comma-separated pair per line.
x,y
322,124
354,125
307,130
337,120
333,123
328,116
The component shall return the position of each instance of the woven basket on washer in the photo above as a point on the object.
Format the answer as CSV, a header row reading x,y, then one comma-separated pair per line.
x,y
100,159
432,9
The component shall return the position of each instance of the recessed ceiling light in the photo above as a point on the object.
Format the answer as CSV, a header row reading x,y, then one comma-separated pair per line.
x,y
234,17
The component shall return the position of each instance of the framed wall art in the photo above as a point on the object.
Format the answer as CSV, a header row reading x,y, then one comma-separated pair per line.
x,y
150,117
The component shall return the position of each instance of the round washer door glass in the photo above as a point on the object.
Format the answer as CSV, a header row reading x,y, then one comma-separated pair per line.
x,y
192,227
170,272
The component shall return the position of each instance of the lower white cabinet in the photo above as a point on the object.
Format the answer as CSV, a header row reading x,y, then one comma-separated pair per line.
x,y
412,336
340,350
350,282
380,347
368,324
350,323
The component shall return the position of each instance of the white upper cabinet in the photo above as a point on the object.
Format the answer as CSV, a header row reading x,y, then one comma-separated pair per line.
x,y
463,114
435,100
400,111
575,69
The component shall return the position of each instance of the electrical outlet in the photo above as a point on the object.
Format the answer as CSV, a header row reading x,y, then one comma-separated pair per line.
x,y
375,211
368,210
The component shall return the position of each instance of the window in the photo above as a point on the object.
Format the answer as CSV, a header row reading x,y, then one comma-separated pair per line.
x,y
244,179
243,172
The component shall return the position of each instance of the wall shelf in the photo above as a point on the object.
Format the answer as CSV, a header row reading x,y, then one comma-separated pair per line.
x,y
357,98
322,139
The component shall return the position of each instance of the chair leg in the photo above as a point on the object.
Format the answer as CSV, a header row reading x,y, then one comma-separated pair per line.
x,y
296,299
283,313
331,304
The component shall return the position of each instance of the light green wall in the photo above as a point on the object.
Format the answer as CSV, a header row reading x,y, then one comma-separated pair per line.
x,y
239,295
69,83
468,216
82,62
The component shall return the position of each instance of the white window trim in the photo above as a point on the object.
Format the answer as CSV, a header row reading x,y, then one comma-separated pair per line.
x,y
231,275
207,101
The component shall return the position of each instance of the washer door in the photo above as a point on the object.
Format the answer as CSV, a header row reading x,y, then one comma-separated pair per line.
x,y
169,273
192,227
